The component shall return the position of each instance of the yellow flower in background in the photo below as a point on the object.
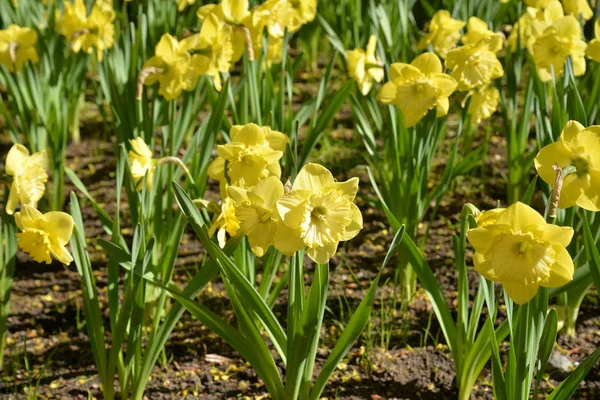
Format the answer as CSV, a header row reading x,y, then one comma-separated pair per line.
x,y
226,221
183,4
252,155
578,8
593,48
484,103
44,236
560,40
171,64
443,33
532,24
87,33
523,252
213,49
478,30
17,46
256,211
417,88
364,67
29,177
321,211
578,147
475,65
140,159
235,11
305,10
275,16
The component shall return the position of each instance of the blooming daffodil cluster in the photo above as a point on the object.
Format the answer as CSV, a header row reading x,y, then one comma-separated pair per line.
x,y
88,32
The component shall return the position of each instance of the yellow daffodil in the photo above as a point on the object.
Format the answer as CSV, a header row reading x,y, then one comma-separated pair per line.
x,y
559,41
17,46
87,33
305,10
226,220
257,214
532,24
142,163
364,67
475,65
593,48
443,33
418,87
523,252
276,16
170,67
29,177
44,236
252,155
478,30
484,103
578,8
320,211
183,4
578,147
213,49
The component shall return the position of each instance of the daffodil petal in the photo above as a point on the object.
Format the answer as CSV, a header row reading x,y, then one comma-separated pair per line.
x,y
519,292
562,270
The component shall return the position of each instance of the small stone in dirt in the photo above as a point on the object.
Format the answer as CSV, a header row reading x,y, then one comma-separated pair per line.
x,y
560,364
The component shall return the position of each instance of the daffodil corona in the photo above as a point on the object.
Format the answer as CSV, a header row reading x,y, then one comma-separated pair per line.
x,y
29,177
577,147
417,88
517,248
44,236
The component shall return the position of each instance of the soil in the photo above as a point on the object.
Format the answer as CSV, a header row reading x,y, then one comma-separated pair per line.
x,y
49,353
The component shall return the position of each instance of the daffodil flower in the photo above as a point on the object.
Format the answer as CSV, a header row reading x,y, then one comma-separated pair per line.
x,y
417,88
578,8
559,41
523,252
44,236
477,64
17,47
29,177
320,211
142,163
256,210
87,33
478,30
443,33
305,10
170,67
225,220
578,147
532,24
364,67
484,102
252,155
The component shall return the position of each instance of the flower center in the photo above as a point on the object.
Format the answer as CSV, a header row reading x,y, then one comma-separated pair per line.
x,y
582,166
36,242
318,214
524,247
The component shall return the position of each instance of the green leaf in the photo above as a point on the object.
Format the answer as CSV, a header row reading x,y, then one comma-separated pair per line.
x,y
247,292
591,251
567,388
324,119
355,326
